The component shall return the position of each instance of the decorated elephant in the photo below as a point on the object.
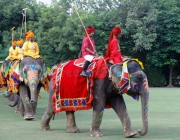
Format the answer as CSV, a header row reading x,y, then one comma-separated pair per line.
x,y
105,84
12,98
30,75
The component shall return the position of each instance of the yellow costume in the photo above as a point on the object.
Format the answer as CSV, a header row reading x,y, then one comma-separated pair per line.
x,y
19,49
31,48
13,52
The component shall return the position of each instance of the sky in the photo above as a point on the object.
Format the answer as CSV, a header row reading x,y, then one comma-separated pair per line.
x,y
45,1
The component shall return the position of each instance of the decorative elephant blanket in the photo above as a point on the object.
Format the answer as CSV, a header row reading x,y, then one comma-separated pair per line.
x,y
2,81
73,92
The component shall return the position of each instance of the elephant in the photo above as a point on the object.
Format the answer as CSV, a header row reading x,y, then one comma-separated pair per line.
x,y
12,98
108,89
31,74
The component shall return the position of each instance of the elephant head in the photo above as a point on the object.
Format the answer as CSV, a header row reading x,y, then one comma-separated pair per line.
x,y
138,86
31,71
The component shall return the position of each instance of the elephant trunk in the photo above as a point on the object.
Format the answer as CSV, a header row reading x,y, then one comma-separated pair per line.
x,y
33,83
34,94
144,102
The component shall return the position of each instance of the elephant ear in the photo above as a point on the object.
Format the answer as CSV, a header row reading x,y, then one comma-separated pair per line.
x,y
115,73
23,75
43,74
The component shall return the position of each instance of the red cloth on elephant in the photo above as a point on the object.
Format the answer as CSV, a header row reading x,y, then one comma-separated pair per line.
x,y
73,92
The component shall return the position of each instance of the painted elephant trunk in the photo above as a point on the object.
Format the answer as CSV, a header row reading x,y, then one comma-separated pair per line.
x,y
144,101
33,82
34,94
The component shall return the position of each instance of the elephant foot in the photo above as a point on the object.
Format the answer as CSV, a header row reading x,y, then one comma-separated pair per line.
x,y
7,95
45,126
16,111
73,129
20,115
46,120
29,117
129,133
95,133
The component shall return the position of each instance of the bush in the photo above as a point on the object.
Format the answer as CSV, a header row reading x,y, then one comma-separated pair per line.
x,y
155,77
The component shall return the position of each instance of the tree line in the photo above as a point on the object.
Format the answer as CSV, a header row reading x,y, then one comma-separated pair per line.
x,y
150,31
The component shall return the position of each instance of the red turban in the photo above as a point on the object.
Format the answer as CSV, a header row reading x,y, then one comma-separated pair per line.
x,y
115,31
90,29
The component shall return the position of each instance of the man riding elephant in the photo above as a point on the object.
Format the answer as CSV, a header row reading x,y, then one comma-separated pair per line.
x,y
19,49
30,47
88,50
113,52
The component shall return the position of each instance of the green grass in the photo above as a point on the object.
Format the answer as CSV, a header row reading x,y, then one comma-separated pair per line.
x,y
164,120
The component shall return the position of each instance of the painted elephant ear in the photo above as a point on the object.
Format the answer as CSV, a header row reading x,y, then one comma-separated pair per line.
x,y
115,71
43,73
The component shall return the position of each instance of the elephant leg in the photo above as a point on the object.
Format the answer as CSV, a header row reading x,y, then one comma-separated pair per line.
x,y
20,108
11,99
49,112
71,123
119,107
17,107
98,110
24,95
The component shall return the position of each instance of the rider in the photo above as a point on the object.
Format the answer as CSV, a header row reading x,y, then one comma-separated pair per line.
x,y
30,47
12,52
113,52
88,49
19,48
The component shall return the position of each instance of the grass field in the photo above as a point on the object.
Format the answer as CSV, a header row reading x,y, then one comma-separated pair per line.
x,y
164,120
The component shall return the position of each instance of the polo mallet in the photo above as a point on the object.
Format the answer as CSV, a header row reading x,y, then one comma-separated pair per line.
x,y
83,25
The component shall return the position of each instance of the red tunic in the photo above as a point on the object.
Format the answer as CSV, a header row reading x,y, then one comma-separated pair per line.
x,y
115,54
86,43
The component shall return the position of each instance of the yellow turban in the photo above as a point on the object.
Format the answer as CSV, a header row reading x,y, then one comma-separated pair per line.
x,y
29,34
14,43
20,42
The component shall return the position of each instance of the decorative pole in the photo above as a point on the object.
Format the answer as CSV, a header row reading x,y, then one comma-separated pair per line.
x,y
12,33
22,25
83,25
25,18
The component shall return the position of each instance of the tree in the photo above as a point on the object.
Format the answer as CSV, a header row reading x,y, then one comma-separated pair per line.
x,y
166,50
